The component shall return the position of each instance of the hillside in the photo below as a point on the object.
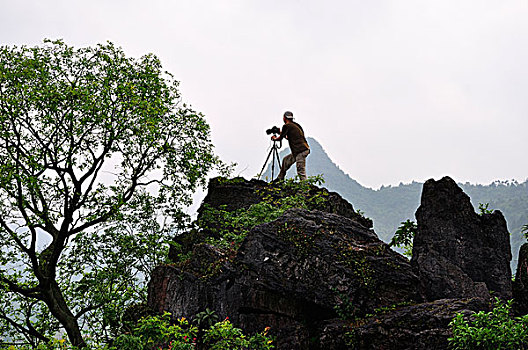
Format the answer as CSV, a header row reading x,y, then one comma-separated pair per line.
x,y
389,206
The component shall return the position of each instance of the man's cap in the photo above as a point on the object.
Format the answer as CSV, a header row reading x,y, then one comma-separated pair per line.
x,y
288,115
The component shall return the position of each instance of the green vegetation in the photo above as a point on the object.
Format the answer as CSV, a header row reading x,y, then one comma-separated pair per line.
x,y
345,307
356,260
483,209
303,242
99,158
223,335
227,229
158,332
490,330
403,238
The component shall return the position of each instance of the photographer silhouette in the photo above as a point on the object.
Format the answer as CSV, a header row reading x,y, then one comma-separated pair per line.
x,y
299,148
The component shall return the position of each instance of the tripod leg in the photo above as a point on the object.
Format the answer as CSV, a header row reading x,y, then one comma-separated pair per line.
x,y
266,162
273,168
276,158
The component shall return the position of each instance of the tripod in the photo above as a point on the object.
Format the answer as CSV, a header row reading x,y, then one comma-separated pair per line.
x,y
275,152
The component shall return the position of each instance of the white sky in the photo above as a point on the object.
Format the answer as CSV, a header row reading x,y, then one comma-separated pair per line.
x,y
395,91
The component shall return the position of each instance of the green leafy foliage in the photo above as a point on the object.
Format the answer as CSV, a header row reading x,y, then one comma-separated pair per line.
x,y
403,237
205,319
158,332
524,231
99,159
223,335
483,209
226,229
490,330
232,227
345,307
229,228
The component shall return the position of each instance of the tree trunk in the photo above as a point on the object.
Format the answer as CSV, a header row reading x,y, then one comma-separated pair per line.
x,y
58,308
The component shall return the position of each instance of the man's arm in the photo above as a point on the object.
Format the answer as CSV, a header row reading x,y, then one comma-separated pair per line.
x,y
282,135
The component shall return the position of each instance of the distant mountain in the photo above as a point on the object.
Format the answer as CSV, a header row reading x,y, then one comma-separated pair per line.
x,y
389,206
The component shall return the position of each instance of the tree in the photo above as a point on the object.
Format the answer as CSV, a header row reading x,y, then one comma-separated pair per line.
x,y
94,146
404,236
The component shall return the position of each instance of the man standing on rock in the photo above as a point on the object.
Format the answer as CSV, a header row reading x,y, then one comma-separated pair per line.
x,y
299,148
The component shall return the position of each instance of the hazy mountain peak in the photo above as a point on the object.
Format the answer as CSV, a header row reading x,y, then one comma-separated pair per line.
x,y
390,205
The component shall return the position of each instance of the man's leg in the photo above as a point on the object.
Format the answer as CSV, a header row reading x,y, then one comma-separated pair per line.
x,y
287,162
301,164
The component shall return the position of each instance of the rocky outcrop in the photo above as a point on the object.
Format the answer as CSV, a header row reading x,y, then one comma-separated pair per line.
x,y
235,194
239,193
293,274
414,327
456,252
321,278
520,285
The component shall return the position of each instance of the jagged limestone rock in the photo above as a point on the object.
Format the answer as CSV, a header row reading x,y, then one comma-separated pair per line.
x,y
290,274
321,278
238,193
413,327
458,253
520,285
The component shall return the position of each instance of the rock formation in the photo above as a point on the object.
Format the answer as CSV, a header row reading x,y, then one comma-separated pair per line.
x,y
419,326
458,253
237,193
520,285
321,279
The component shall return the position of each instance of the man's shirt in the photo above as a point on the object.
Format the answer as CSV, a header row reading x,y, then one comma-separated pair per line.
x,y
295,135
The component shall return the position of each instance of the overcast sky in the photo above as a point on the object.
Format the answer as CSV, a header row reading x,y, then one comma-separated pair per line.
x,y
395,91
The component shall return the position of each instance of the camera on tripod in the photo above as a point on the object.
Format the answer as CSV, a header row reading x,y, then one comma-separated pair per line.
x,y
273,152
273,130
